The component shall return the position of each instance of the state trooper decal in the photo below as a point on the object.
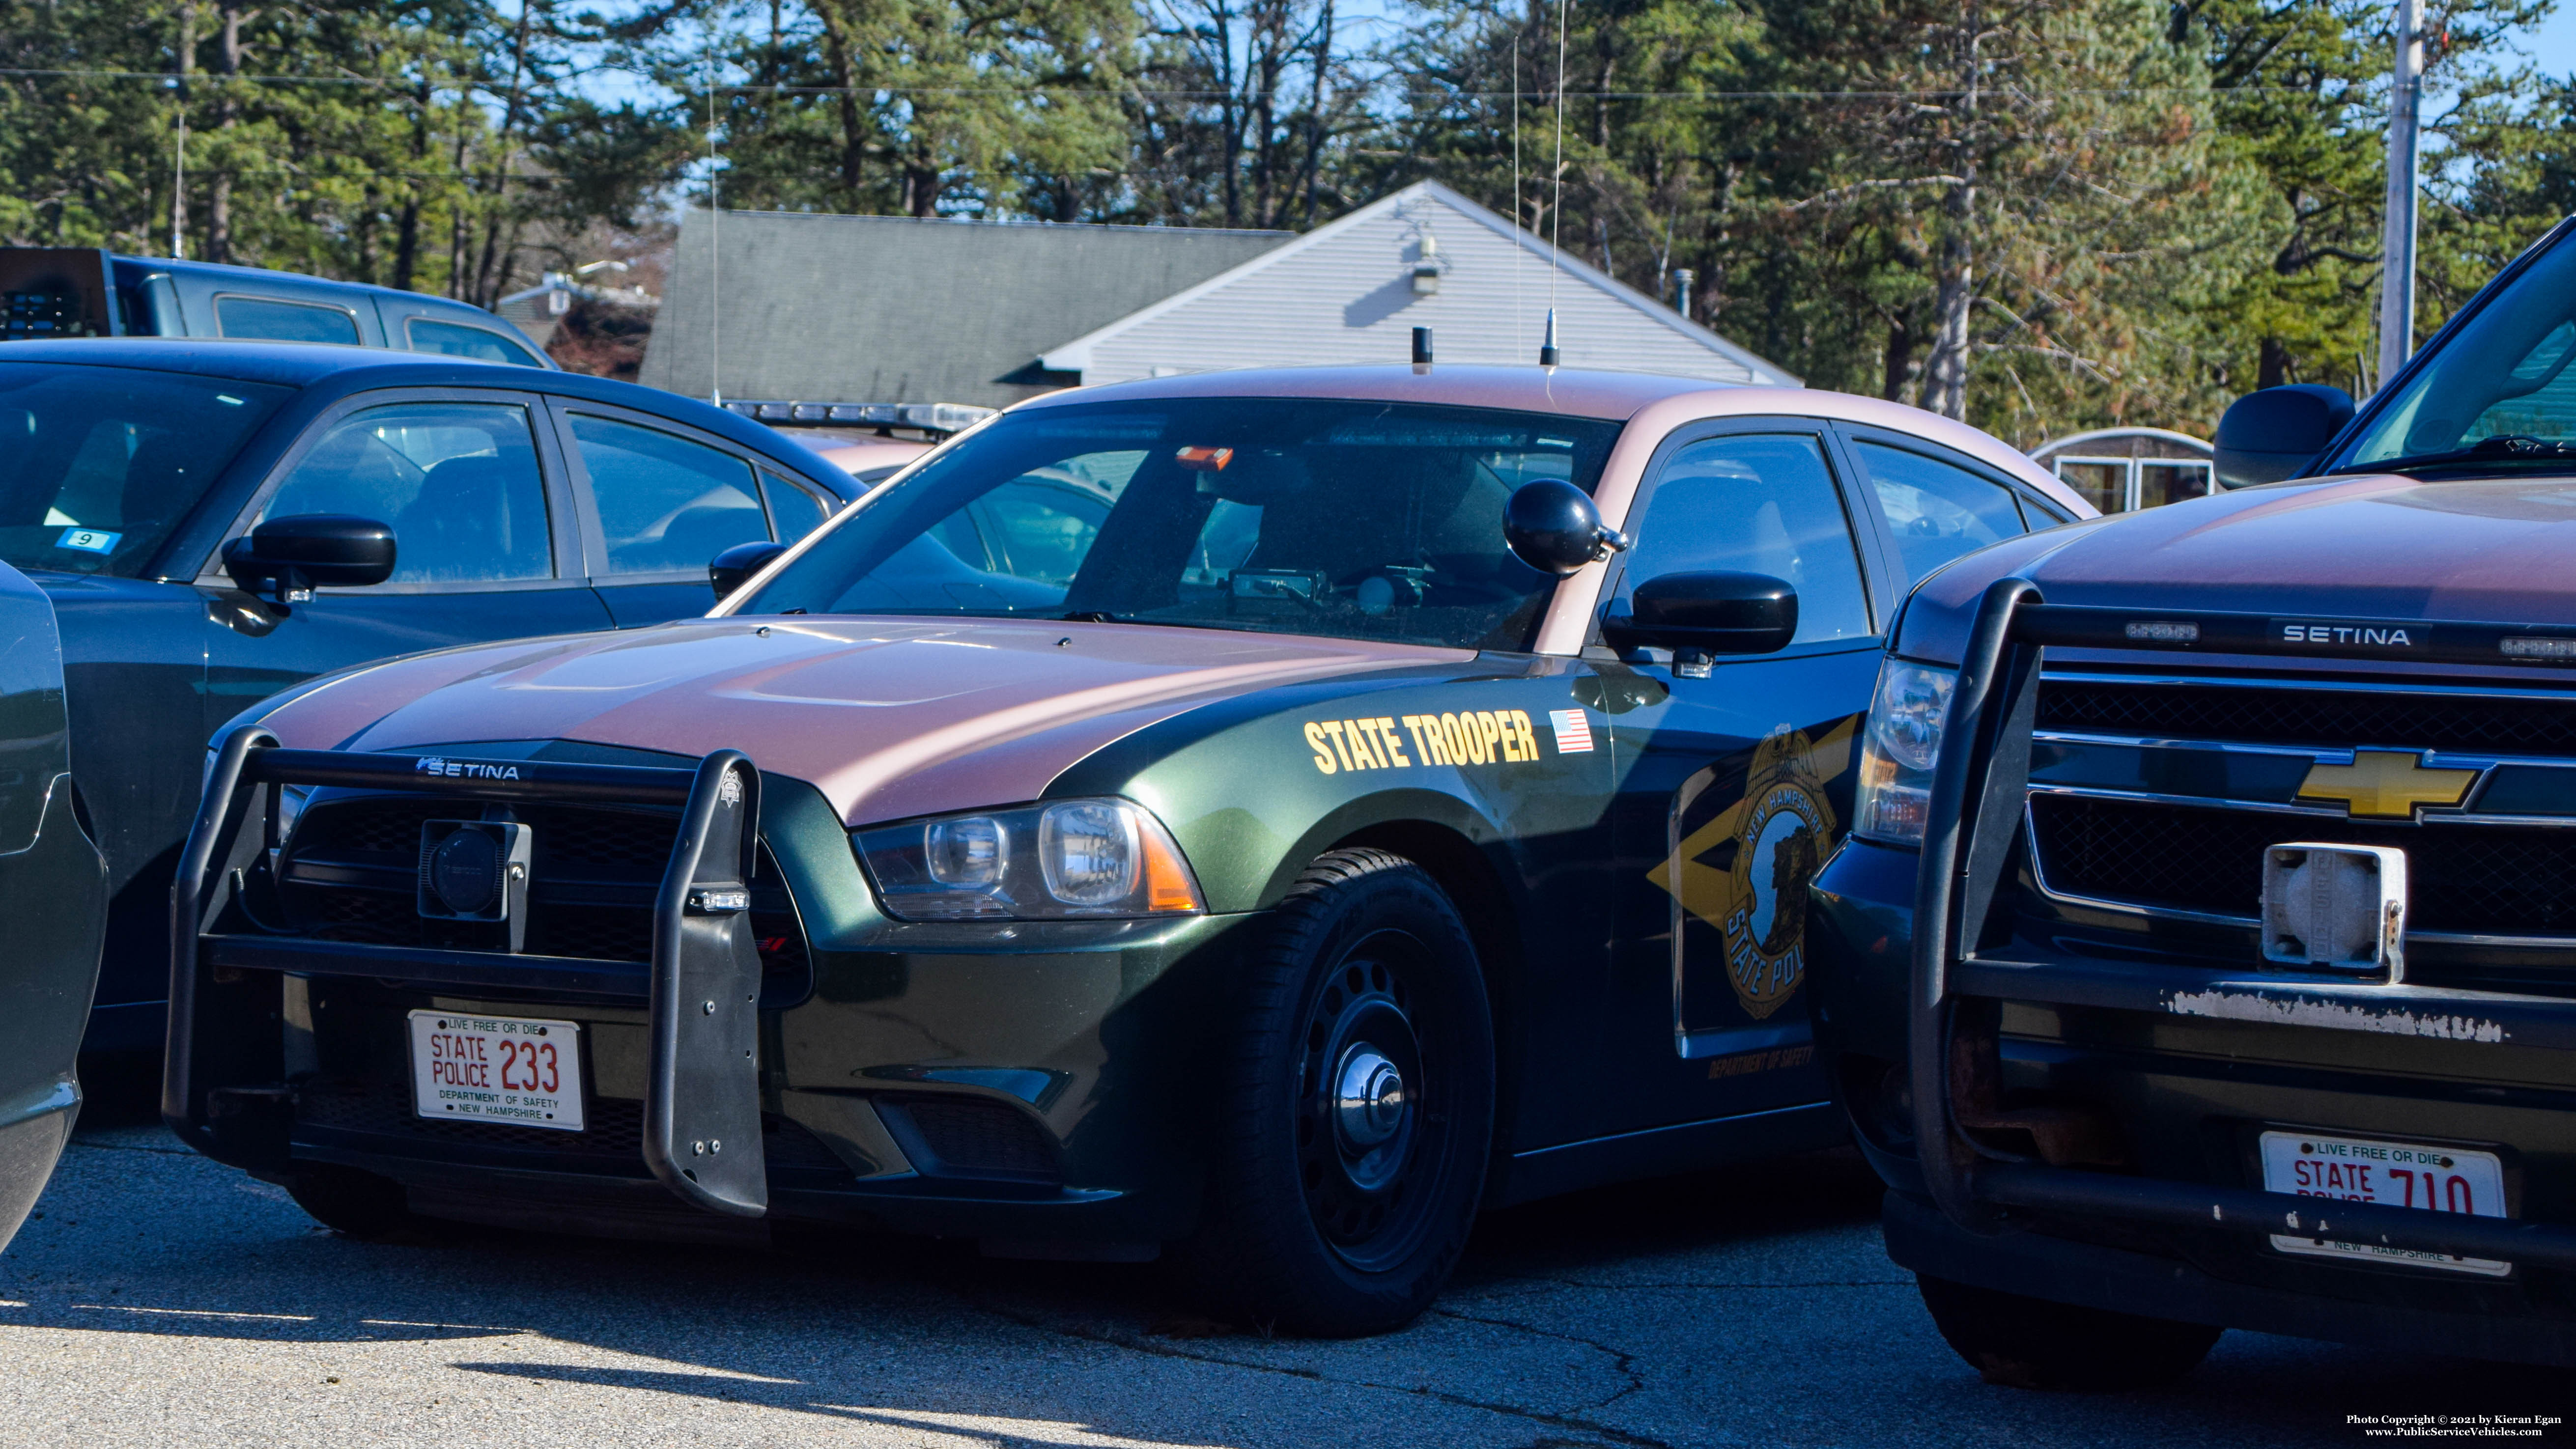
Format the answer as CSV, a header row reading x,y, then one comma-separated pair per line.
x,y
1738,874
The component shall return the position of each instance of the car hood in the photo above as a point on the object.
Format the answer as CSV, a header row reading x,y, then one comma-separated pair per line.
x,y
887,717
2378,547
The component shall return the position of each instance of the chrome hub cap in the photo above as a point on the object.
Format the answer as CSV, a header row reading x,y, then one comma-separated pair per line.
x,y
1370,1105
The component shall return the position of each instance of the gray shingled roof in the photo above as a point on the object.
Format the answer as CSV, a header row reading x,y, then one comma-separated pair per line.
x,y
891,309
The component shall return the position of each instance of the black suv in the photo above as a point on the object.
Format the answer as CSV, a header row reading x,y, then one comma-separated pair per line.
x,y
2204,953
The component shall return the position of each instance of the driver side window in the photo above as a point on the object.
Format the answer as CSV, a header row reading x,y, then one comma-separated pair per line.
x,y
1761,503
457,482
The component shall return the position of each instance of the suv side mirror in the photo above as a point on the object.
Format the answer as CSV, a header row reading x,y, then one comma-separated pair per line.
x,y
2273,434
738,563
1552,526
1715,612
295,555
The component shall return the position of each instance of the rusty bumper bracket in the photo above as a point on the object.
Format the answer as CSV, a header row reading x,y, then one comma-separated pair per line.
x,y
702,1128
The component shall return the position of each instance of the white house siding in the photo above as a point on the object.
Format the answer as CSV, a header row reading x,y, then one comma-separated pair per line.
x,y
1348,298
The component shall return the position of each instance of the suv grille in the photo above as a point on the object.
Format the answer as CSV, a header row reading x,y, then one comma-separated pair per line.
x,y
2326,718
2488,879
594,874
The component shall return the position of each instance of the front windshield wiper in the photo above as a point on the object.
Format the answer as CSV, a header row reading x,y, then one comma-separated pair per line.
x,y
2501,448
1094,616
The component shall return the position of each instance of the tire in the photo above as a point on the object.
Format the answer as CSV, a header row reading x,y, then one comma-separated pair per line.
x,y
2033,1343
1334,1220
351,1203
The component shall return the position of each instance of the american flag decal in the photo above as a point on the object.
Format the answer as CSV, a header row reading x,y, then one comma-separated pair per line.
x,y
1573,732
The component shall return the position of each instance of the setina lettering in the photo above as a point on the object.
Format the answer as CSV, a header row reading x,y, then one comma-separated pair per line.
x,y
2329,634
464,769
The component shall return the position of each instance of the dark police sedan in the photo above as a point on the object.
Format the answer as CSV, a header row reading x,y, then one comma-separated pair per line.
x,y
1190,814
136,478
2237,985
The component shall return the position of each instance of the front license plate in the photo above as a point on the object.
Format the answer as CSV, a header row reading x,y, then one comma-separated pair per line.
x,y
496,1069
2396,1174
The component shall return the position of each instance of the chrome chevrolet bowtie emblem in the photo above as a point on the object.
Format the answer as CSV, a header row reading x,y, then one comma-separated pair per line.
x,y
2386,784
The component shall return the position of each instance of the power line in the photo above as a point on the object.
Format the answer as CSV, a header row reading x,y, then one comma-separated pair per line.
x,y
1212,95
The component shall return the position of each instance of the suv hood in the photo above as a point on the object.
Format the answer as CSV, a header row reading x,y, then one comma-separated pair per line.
x,y
2378,547
889,718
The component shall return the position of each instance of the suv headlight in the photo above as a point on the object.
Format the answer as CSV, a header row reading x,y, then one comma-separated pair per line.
x,y
1081,858
1898,747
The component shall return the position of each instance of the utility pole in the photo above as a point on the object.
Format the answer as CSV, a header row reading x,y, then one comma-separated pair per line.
x,y
2397,249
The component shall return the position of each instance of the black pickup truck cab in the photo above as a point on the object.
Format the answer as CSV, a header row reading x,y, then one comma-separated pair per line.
x,y
2204,953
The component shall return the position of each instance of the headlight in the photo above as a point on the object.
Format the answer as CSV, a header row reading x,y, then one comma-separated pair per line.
x,y
1897,750
1091,858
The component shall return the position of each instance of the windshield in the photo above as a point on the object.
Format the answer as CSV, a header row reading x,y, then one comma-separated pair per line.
x,y
1358,520
97,464
2500,393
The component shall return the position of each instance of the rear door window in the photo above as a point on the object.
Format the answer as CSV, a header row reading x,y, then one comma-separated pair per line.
x,y
275,321
456,339
666,504
1935,511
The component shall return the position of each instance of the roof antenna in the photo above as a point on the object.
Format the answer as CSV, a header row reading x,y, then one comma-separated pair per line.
x,y
1547,353
715,254
1422,347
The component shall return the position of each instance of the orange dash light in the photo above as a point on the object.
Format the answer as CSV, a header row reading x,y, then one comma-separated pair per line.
x,y
1205,460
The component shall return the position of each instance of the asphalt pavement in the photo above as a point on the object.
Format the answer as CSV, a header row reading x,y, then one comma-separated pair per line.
x,y
159,1299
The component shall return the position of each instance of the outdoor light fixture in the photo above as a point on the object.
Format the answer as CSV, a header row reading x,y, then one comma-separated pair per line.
x,y
1426,270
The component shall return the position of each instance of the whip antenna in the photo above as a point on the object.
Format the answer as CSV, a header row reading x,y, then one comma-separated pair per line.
x,y
1547,353
1517,248
715,254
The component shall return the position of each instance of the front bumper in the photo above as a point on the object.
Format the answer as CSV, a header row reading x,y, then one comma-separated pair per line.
x,y
1039,1087
2074,1114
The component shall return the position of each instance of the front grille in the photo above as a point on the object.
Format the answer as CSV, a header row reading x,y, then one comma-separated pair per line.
x,y
2487,879
594,874
2323,718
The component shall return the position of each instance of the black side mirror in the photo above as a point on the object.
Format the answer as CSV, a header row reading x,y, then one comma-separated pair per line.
x,y
1552,526
2274,434
731,567
291,557
1715,612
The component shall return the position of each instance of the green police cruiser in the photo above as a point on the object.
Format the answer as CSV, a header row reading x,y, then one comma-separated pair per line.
x,y
1257,819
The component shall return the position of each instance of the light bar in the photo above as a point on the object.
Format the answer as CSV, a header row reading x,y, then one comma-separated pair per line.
x,y
925,417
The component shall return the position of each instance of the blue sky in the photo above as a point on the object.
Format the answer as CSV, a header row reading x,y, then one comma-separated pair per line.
x,y
2553,42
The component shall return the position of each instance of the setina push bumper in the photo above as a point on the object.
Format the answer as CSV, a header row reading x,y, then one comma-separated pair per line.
x,y
2110,1236
229,1088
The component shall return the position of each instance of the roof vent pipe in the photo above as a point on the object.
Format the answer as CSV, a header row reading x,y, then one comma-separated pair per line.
x,y
1547,347
1422,347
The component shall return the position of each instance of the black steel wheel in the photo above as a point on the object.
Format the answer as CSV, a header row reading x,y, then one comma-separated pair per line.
x,y
1358,1111
2034,1343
